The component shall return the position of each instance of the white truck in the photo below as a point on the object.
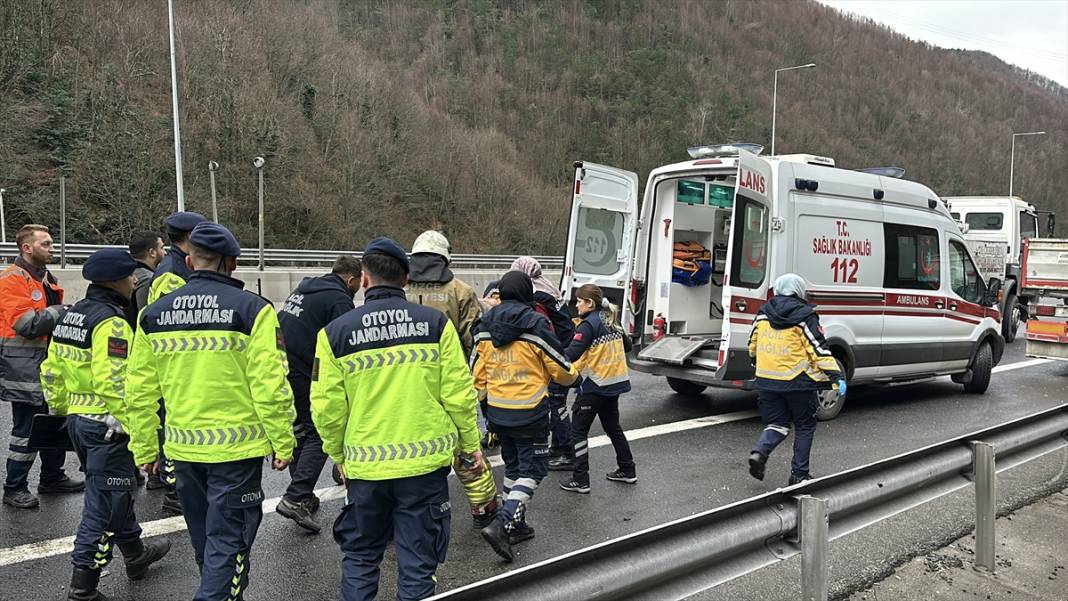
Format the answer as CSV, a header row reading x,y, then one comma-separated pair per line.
x,y
995,228
1045,281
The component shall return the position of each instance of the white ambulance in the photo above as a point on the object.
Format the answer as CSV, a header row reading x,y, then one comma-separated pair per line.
x,y
898,292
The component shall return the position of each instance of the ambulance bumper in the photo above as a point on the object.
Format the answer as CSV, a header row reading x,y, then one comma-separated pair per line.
x,y
742,378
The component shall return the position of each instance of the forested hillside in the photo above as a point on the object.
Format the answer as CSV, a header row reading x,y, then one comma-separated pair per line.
x,y
390,117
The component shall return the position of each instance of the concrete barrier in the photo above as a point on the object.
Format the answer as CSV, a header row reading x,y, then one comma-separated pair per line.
x,y
276,284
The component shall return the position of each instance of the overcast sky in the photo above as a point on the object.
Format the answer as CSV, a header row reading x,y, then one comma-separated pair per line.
x,y
1032,34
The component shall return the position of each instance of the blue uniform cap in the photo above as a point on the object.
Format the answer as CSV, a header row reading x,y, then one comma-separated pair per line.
x,y
386,246
184,221
108,265
216,238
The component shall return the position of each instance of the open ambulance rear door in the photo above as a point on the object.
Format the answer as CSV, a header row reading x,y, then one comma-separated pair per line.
x,y
600,234
748,263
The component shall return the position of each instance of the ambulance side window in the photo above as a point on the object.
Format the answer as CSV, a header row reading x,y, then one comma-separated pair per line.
x,y
750,258
912,257
963,276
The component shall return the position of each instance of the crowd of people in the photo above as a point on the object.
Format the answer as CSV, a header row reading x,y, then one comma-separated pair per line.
x,y
171,375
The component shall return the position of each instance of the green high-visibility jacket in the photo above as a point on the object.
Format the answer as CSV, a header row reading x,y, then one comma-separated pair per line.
x,y
170,275
391,394
215,353
85,371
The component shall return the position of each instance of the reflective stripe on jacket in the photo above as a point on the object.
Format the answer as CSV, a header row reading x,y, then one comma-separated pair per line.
x,y
599,357
216,353
85,371
391,395
791,358
26,319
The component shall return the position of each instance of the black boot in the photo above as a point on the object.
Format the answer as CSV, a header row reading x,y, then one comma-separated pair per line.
x,y
83,585
757,462
138,555
497,536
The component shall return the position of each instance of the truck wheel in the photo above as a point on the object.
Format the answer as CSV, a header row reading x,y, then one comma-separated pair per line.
x,y
981,369
1010,321
686,387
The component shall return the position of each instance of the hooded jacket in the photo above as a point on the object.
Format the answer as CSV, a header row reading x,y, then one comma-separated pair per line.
x,y
789,348
315,303
515,358
548,306
432,284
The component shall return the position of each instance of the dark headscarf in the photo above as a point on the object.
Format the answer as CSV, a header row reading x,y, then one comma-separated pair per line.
x,y
516,286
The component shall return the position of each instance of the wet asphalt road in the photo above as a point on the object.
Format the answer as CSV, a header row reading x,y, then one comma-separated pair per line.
x,y
680,473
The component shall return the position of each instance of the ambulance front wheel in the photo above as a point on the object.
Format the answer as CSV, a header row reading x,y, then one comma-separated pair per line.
x,y
686,387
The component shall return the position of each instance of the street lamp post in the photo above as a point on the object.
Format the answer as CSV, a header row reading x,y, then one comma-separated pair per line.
x,y
258,163
3,224
174,109
1012,156
775,98
212,168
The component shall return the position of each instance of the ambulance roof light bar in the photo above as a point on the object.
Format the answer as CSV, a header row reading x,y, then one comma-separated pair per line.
x,y
722,150
894,172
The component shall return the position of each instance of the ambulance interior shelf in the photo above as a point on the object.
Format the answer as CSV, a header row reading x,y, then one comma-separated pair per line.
x,y
701,219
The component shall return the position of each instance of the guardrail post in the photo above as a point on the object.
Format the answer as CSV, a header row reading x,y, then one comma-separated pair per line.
x,y
814,541
985,504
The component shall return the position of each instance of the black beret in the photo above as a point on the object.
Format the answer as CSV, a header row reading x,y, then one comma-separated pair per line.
x,y
386,246
184,221
216,238
108,265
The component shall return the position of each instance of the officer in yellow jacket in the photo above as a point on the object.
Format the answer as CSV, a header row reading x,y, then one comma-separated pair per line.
x,y
392,400
83,377
516,358
792,363
219,351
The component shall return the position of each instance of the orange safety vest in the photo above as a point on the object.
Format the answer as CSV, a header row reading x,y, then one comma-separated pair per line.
x,y
26,321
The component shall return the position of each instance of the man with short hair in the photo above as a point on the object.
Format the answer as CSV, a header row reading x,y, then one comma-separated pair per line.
x,y
315,303
83,378
219,350
170,275
31,304
147,249
394,402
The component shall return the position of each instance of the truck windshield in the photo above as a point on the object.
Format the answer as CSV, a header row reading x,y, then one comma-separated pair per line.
x,y
985,221
1028,225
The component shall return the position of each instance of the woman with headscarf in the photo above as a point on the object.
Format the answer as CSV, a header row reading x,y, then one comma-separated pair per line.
x,y
549,302
515,358
792,363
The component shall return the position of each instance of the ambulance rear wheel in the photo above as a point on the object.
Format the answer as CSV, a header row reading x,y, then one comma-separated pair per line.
x,y
830,404
686,387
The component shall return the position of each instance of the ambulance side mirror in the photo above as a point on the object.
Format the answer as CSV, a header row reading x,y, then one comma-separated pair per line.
x,y
993,292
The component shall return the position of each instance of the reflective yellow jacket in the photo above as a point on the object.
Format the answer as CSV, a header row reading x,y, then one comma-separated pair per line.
x,y
788,345
85,371
215,353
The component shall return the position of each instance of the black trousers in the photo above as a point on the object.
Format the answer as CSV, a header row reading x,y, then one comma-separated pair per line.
x,y
586,407
21,457
308,457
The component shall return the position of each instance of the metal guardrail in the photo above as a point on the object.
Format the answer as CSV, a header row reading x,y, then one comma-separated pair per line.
x,y
285,257
693,554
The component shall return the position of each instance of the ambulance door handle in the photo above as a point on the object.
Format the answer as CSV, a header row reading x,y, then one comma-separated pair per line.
x,y
939,304
953,306
741,306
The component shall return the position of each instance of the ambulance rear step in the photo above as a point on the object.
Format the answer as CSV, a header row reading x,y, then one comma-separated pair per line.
x,y
676,350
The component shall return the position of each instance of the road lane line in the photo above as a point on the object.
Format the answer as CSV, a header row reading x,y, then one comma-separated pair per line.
x,y
60,546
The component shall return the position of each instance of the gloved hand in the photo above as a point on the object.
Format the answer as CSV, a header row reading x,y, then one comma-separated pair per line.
x,y
842,387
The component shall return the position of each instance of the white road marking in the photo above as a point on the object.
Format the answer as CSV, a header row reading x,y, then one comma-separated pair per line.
x,y
60,546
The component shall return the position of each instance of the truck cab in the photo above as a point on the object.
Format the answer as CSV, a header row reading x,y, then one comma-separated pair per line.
x,y
995,228
899,294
